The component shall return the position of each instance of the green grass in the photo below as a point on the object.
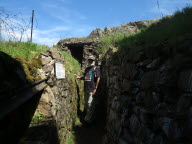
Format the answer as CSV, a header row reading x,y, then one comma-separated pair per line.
x,y
72,65
22,49
38,118
169,30
110,40
26,54
71,138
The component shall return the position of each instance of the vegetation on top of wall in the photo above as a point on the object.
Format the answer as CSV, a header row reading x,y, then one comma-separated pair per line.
x,y
30,67
110,40
167,29
25,50
170,29
72,65
26,53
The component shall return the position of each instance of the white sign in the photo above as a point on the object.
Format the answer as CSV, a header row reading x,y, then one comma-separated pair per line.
x,y
59,70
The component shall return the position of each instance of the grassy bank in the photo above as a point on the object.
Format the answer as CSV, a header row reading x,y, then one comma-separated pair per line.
x,y
22,49
169,30
72,65
26,54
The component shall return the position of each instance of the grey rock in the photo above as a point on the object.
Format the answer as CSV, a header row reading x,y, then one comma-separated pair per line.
x,y
97,33
165,124
144,63
184,102
47,68
45,53
129,71
107,30
46,60
126,85
185,81
150,79
154,64
56,55
134,124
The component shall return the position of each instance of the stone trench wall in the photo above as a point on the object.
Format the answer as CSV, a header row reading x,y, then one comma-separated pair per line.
x,y
149,95
57,109
89,47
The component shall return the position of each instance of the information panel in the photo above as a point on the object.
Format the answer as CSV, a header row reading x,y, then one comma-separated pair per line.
x,y
59,70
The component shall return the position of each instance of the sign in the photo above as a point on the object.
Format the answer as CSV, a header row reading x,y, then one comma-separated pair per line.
x,y
59,70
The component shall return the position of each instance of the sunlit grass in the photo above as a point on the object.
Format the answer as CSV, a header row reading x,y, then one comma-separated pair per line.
x,y
170,29
22,49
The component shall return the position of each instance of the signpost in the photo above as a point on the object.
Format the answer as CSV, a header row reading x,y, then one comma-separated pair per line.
x,y
59,70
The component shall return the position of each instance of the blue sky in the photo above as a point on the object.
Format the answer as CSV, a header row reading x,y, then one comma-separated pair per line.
x,y
59,19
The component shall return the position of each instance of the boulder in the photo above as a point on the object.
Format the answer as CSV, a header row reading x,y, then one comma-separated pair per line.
x,y
97,33
107,30
56,55
47,68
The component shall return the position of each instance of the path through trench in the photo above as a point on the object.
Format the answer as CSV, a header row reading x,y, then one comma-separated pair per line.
x,y
94,133
88,135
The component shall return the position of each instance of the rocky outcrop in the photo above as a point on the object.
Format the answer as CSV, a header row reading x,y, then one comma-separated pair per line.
x,y
149,95
97,33
132,27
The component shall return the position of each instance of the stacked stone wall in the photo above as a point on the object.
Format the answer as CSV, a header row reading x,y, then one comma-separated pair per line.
x,y
149,95
57,105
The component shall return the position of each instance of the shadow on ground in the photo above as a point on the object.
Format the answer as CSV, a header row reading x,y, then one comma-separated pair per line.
x,y
91,134
44,133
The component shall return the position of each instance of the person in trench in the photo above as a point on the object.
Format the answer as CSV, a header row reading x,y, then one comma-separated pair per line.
x,y
91,79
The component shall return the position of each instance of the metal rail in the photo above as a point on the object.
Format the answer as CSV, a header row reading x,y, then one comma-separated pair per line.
x,y
19,97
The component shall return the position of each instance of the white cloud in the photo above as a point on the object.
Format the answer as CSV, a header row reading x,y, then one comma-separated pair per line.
x,y
53,30
61,21
63,13
45,40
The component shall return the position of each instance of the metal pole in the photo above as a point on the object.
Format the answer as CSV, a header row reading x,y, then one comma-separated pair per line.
x,y
32,25
0,32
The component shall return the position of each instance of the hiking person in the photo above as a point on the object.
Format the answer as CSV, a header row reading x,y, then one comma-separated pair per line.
x,y
91,79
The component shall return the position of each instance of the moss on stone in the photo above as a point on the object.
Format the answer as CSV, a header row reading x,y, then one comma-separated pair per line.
x,y
30,67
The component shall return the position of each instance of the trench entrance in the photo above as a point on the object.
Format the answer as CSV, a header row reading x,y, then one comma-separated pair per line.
x,y
77,51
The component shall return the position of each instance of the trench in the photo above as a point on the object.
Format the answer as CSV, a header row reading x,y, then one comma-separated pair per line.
x,y
93,133
51,130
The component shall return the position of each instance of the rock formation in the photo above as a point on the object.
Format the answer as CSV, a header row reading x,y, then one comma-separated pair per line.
x,y
132,27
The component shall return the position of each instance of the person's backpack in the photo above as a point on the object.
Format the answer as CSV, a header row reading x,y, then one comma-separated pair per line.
x,y
91,74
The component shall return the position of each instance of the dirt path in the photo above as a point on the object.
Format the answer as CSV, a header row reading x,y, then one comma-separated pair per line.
x,y
92,134
88,135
